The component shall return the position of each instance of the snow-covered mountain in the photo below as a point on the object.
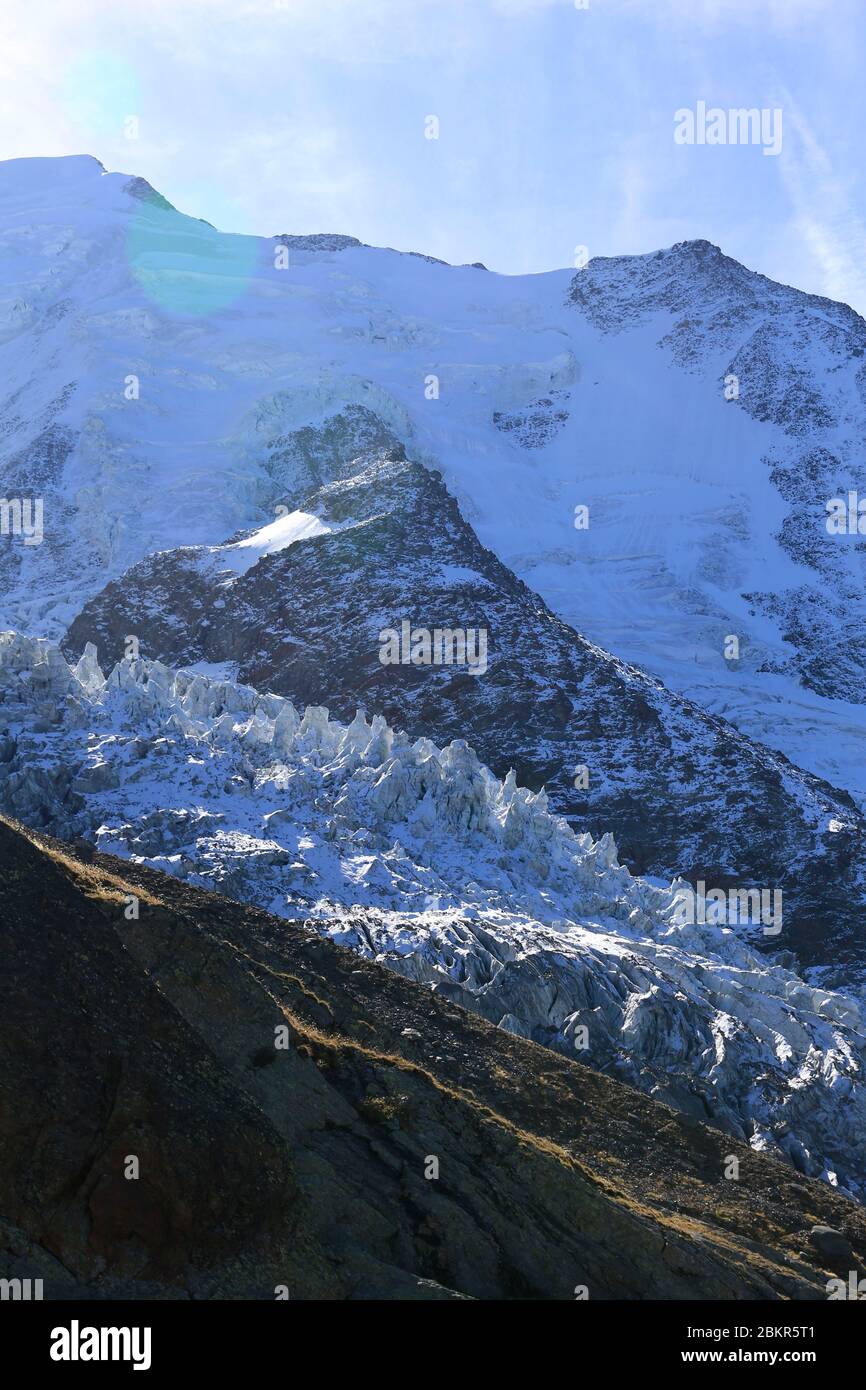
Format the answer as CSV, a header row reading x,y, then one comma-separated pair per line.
x,y
149,361
370,540
256,456
418,857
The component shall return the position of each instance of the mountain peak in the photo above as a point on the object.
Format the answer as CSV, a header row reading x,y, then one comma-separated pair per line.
x,y
700,247
39,170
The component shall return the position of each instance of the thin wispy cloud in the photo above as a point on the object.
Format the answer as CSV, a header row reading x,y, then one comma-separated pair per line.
x,y
556,123
829,226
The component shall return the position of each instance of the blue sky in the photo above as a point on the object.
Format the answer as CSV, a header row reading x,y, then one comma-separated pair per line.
x,y
555,123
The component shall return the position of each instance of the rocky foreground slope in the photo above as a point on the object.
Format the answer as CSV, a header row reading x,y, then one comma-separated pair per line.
x,y
397,1147
421,858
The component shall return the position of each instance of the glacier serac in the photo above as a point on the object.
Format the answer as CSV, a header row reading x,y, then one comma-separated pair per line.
x,y
419,858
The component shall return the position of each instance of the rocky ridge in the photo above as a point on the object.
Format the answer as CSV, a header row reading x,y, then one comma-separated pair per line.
x,y
156,1039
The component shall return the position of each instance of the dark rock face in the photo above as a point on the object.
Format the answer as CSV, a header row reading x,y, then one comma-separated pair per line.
x,y
822,620
145,192
318,241
681,791
833,1246
540,422
308,1166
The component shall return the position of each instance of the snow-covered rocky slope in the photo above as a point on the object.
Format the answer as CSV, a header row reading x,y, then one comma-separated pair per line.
x,y
149,361
255,454
419,857
368,540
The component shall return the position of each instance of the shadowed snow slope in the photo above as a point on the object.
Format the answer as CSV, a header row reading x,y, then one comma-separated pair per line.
x,y
421,858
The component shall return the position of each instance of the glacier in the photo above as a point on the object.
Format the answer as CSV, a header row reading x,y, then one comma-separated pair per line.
x,y
419,858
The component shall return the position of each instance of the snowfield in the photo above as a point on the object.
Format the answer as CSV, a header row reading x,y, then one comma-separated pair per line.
x,y
269,540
